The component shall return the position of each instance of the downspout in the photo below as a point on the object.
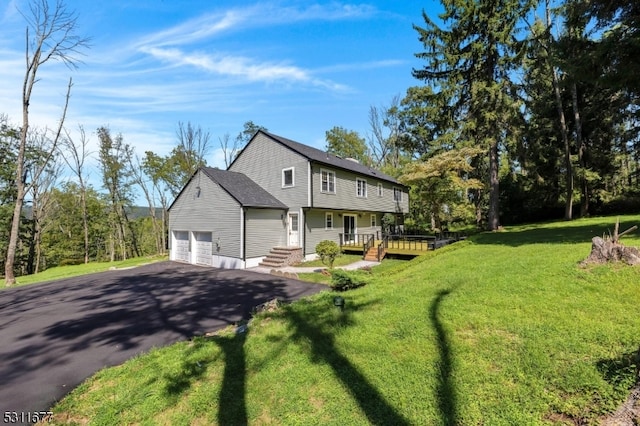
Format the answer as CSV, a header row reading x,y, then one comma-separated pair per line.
x,y
310,202
243,213
310,197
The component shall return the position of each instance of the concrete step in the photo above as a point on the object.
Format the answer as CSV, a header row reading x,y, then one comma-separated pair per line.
x,y
269,264
283,249
273,255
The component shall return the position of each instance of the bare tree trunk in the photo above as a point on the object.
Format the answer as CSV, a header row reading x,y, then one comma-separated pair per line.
x,y
164,225
139,179
584,184
568,205
79,154
494,189
134,237
112,248
54,39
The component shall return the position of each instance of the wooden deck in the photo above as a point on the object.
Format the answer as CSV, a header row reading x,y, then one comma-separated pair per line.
x,y
394,247
413,245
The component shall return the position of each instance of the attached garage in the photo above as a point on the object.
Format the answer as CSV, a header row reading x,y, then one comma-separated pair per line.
x,y
225,220
203,248
181,246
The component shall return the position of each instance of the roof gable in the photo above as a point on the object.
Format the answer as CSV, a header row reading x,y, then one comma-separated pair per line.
x,y
245,191
239,186
322,157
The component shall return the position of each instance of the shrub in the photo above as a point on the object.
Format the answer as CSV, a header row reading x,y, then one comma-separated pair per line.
x,y
71,261
342,280
328,251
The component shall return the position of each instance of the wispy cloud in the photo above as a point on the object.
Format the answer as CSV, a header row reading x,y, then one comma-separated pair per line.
x,y
175,46
196,29
241,67
259,15
10,11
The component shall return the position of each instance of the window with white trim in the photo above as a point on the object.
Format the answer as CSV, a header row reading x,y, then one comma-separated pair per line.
x,y
397,194
327,181
373,221
361,188
328,221
379,189
287,177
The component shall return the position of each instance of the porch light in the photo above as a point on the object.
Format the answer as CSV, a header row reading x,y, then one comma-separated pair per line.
x,y
338,301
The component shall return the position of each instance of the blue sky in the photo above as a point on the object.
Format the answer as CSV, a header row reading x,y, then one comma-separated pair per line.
x,y
298,68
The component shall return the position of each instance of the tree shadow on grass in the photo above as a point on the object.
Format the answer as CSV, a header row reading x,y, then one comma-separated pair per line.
x,y
446,393
232,409
193,367
621,370
315,328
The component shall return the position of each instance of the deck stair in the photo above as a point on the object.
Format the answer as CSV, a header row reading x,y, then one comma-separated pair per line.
x,y
280,257
372,254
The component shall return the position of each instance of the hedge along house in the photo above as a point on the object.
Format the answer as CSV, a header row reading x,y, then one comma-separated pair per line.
x,y
276,202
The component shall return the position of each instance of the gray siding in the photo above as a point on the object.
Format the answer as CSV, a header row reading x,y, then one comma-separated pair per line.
x,y
213,211
263,159
316,232
346,197
265,230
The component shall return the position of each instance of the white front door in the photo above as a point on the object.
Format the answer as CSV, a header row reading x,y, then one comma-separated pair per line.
x,y
294,232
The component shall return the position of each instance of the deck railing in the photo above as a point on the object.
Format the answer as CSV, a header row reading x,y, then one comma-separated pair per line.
x,y
397,242
413,242
382,247
370,240
354,240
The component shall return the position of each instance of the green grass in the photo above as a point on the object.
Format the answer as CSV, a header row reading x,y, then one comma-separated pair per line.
x,y
60,272
504,328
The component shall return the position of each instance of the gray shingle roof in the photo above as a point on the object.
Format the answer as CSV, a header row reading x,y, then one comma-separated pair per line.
x,y
247,192
319,156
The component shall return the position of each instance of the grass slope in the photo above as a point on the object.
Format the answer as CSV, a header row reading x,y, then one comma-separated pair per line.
x,y
504,328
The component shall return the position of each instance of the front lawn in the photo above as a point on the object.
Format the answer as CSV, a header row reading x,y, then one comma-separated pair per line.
x,y
60,272
504,328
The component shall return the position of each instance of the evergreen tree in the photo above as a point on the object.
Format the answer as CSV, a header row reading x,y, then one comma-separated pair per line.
x,y
469,93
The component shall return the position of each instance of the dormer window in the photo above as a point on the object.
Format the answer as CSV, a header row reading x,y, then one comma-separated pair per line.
x,y
287,178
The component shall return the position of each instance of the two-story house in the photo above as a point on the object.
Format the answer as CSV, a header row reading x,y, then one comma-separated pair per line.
x,y
278,193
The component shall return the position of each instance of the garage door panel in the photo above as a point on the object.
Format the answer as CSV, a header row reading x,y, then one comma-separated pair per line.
x,y
181,249
203,248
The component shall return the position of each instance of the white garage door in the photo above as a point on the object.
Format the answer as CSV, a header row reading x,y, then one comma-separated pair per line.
x,y
203,248
181,248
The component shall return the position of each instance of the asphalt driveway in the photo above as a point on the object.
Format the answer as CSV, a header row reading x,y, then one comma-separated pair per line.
x,y
55,335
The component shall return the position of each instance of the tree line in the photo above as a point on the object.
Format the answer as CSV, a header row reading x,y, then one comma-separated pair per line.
x,y
523,111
